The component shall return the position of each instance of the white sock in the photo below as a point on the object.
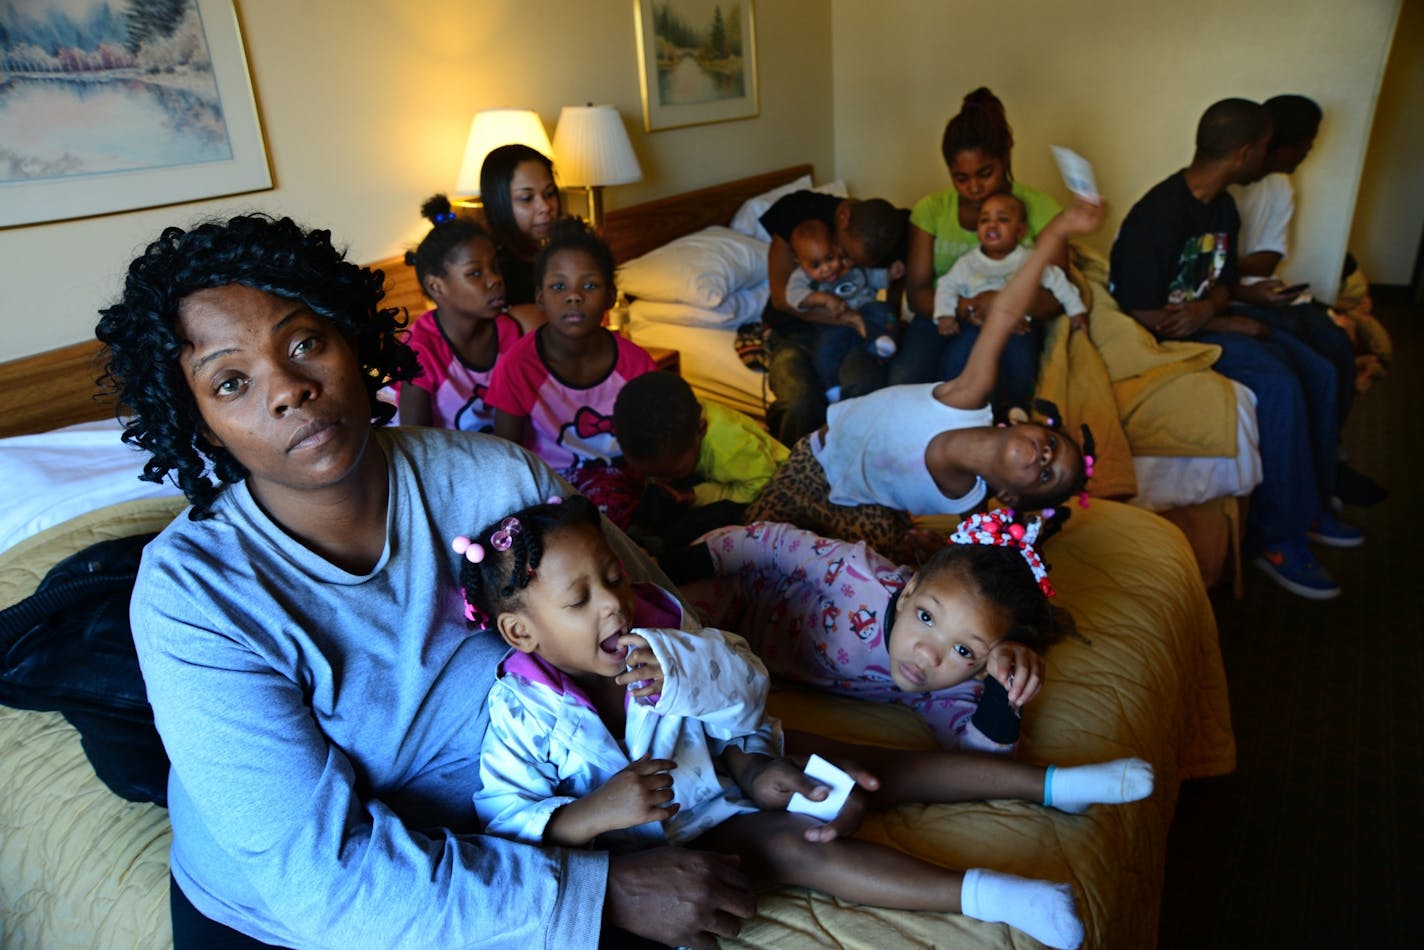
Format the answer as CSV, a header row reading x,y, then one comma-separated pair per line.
x,y
1074,788
1041,909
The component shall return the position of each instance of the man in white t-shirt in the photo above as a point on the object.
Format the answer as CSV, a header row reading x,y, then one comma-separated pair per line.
x,y
1266,207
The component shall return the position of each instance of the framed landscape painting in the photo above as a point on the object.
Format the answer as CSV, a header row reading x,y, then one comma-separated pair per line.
x,y
113,105
698,61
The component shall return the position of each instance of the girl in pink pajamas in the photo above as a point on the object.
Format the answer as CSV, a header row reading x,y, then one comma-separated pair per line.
x,y
471,327
954,641
555,391
609,728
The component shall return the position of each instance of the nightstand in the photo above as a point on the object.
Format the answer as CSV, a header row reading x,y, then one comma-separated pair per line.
x,y
666,358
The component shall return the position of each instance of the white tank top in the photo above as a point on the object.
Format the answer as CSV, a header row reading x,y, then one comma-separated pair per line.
x,y
873,452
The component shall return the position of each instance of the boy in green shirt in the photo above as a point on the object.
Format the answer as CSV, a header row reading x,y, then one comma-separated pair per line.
x,y
704,462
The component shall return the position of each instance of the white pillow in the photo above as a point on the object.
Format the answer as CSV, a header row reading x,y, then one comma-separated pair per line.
x,y
54,476
747,220
699,269
740,307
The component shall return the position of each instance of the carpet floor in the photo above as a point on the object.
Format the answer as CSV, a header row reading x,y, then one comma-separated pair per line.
x,y
1317,839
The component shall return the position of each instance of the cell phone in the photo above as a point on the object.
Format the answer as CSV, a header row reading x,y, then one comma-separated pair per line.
x,y
1294,289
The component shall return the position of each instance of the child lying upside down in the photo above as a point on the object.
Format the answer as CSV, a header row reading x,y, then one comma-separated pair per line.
x,y
932,448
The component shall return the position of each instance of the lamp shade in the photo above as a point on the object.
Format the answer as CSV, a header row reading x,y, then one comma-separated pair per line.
x,y
493,128
591,148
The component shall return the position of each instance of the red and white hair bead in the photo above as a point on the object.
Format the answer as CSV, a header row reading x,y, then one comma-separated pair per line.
x,y
998,528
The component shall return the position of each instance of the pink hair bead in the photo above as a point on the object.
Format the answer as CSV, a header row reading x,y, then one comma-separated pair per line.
x,y
474,553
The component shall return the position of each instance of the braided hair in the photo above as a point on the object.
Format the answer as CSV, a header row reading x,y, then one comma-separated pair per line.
x,y
1052,419
495,584
142,365
447,232
980,124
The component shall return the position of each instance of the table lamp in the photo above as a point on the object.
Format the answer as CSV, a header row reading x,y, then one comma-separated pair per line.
x,y
490,129
591,150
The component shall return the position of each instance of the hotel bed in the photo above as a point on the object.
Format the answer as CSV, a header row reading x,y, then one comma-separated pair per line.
x,y
81,867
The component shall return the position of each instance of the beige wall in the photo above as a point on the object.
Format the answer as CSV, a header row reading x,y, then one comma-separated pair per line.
x,y
1122,81
1390,213
365,107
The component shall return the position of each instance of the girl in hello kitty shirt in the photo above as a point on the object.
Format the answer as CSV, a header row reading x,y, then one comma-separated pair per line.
x,y
554,392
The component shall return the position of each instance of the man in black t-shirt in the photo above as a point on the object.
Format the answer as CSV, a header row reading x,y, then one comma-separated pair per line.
x,y
1174,270
872,233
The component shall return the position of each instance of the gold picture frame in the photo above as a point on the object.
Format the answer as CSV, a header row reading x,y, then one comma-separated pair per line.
x,y
174,121
697,62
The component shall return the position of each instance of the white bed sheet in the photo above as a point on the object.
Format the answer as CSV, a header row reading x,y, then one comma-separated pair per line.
x,y
1172,482
53,476
708,359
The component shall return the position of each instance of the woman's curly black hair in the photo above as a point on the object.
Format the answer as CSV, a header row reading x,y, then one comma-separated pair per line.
x,y
496,584
142,346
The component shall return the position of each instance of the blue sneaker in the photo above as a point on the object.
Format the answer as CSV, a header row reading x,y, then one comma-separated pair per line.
x,y
1293,567
1331,531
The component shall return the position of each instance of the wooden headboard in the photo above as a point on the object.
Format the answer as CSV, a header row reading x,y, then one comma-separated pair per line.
x,y
639,228
57,388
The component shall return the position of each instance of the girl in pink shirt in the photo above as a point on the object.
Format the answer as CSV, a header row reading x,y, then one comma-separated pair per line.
x,y
554,392
459,342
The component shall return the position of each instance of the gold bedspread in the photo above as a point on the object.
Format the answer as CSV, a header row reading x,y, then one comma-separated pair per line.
x,y
79,867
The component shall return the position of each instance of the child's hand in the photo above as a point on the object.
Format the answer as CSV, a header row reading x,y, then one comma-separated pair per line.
x,y
895,271
820,300
947,324
643,667
1019,667
770,783
848,820
640,793
1079,321
1080,217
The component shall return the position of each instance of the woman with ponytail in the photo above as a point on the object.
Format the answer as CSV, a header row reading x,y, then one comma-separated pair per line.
x,y
978,148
